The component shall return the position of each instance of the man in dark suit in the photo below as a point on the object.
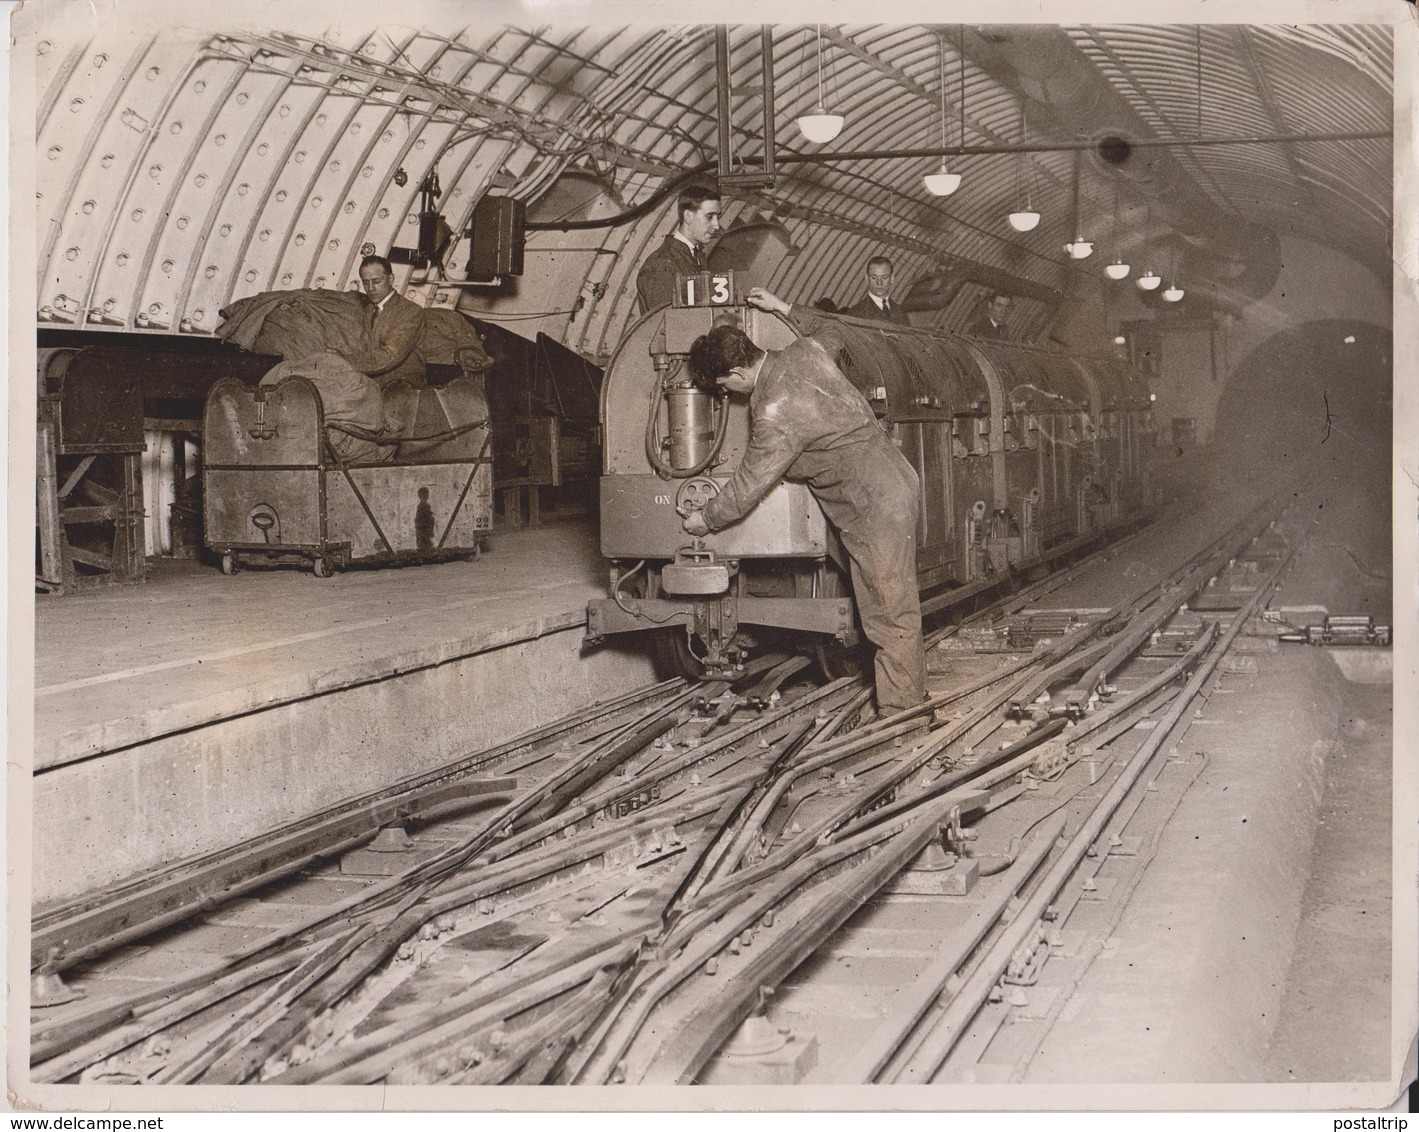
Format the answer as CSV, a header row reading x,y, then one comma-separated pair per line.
x,y
393,326
877,303
990,323
683,250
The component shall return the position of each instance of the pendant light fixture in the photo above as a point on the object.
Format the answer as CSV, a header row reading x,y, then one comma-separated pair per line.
x,y
1174,293
1148,281
1025,219
819,125
944,183
1118,269
1078,248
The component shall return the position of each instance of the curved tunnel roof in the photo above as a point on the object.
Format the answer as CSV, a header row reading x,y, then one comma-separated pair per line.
x,y
181,164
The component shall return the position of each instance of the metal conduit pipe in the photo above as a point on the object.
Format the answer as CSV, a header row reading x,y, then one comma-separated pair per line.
x,y
1093,145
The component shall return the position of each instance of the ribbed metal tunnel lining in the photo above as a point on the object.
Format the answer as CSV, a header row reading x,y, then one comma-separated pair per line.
x,y
178,173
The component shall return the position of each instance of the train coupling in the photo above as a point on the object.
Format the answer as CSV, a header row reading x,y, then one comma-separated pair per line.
x,y
695,572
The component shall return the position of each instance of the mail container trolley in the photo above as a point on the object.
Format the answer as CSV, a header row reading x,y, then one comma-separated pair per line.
x,y
276,489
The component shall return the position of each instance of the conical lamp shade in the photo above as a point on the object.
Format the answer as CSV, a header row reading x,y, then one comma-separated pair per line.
x,y
1117,270
1148,281
1026,220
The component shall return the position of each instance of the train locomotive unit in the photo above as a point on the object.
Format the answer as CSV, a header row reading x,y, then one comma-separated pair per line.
x,y
1023,454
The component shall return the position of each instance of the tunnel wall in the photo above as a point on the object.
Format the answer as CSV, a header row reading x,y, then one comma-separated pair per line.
x,y
1315,284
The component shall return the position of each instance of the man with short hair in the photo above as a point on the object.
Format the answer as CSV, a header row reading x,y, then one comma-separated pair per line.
x,y
991,323
393,325
683,250
809,424
877,303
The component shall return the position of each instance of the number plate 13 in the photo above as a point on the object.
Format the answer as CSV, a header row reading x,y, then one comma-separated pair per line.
x,y
707,289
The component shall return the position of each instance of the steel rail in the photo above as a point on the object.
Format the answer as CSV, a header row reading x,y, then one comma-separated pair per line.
x,y
553,858
419,911
409,1038
536,1054
897,725
778,858
688,951
473,1014
1119,716
55,1057
733,819
514,852
68,943
1204,564
743,903
365,902
700,1036
1122,892
1105,540
884,1044
265,1011
664,771
877,1048
379,946
392,1033
974,992
1013,765
80,931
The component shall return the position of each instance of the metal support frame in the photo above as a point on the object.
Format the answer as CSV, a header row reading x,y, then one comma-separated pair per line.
x,y
82,500
813,615
766,175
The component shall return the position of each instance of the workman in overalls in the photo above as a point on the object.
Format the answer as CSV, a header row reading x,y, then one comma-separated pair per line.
x,y
808,423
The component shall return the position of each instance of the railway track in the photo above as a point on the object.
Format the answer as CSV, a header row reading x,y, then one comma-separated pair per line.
x,y
690,884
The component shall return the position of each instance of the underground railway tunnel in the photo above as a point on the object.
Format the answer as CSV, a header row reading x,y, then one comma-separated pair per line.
x,y
277,686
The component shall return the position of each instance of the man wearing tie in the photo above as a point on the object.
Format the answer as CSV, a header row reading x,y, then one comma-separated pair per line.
x,y
991,322
683,251
393,325
877,303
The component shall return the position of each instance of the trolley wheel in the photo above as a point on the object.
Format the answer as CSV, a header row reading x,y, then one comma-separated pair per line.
x,y
229,564
322,569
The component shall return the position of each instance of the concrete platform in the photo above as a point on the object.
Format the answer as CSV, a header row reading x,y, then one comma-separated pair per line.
x,y
198,710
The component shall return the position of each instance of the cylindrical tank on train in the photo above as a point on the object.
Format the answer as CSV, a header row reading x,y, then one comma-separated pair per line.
x,y
691,426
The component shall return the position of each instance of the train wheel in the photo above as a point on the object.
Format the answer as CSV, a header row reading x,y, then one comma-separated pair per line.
x,y
322,568
229,564
673,656
836,660
669,648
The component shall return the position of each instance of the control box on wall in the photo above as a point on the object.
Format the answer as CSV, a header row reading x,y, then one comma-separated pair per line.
x,y
497,237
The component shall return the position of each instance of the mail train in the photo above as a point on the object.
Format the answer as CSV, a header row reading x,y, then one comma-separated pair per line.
x,y
1023,454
